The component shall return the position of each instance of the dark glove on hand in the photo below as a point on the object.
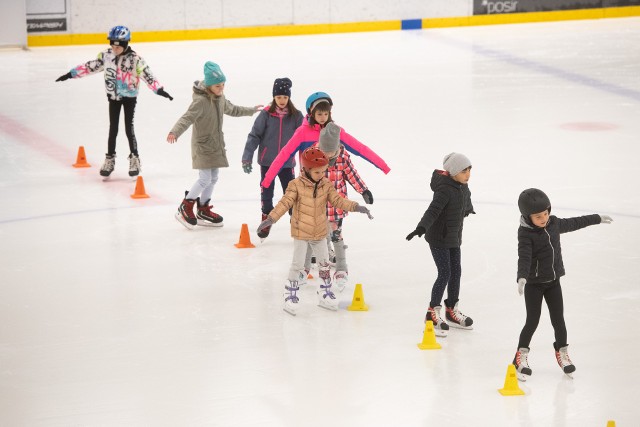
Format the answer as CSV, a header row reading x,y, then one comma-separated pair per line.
x,y
264,224
368,197
419,231
161,92
246,167
64,77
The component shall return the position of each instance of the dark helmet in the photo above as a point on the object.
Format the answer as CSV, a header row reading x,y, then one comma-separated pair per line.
x,y
313,157
317,96
119,33
533,201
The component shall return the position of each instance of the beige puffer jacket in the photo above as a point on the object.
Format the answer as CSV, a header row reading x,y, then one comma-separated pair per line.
x,y
309,216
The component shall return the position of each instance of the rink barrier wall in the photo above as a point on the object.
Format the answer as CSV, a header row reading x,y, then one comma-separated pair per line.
x,y
352,27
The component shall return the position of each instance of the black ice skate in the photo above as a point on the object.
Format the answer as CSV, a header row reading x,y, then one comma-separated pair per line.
x,y
185,214
521,362
206,216
440,327
456,319
264,233
134,165
108,166
562,356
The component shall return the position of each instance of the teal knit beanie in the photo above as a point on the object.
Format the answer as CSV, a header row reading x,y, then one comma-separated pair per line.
x,y
213,75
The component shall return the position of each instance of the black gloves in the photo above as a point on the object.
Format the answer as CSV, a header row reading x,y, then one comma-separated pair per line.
x,y
161,92
419,231
368,197
64,77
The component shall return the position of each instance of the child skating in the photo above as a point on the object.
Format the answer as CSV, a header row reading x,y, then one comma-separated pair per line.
x,y
272,129
540,267
123,68
208,153
307,197
442,225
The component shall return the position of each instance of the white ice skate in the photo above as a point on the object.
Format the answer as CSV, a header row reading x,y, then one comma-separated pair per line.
x,y
521,362
440,327
562,357
108,166
326,298
290,298
340,280
456,319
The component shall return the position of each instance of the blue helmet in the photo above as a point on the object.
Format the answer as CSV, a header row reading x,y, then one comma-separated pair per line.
x,y
119,33
316,97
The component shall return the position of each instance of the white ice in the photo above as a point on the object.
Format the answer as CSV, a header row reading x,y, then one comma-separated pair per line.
x,y
113,314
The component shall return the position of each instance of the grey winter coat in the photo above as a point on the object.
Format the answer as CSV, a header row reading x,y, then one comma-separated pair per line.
x,y
270,133
206,115
444,218
539,251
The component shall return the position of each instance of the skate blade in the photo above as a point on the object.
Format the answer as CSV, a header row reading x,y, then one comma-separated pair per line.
x,y
328,307
181,220
440,333
209,224
570,374
105,178
289,311
457,326
522,377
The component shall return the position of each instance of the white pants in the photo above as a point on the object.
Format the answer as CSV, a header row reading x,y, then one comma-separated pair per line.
x,y
203,187
319,247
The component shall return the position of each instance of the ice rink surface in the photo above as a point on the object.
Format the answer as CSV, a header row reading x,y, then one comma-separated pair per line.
x,y
113,314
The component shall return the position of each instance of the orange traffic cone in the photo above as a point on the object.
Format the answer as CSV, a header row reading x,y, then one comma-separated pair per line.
x,y
245,240
81,160
139,192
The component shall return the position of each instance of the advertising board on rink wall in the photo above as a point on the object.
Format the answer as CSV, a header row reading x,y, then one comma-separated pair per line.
x,y
491,7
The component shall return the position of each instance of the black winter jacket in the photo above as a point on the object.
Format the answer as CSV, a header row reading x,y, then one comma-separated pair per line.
x,y
539,251
444,217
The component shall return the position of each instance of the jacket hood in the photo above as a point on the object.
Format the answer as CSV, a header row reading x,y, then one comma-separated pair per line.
x,y
199,88
440,177
526,223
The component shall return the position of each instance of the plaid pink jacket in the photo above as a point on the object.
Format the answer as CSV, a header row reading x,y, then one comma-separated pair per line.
x,y
339,174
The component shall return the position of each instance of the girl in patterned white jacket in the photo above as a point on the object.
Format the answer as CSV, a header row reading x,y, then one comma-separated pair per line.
x,y
123,69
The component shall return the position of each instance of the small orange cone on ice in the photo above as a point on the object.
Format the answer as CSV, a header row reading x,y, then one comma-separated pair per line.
x,y
139,192
81,160
245,240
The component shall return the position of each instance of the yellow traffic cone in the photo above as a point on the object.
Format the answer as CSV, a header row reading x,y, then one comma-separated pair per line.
x,y
511,387
611,423
429,339
357,304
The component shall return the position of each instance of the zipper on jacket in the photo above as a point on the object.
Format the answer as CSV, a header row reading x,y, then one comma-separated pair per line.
x,y
553,254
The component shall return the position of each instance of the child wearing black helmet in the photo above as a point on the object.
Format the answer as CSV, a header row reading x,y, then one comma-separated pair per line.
x,y
307,197
539,270
123,69
442,224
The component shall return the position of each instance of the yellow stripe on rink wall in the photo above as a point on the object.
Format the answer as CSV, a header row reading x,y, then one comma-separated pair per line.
x,y
352,27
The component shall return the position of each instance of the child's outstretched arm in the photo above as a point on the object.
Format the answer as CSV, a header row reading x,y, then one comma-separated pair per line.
x,y
567,225
440,200
185,121
237,111
525,254
83,70
359,149
354,179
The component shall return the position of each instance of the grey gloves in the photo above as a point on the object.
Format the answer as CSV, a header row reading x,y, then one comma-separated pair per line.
x,y
521,283
364,210
246,167
264,224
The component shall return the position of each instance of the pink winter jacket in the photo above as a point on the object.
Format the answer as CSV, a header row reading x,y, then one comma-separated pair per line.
x,y
307,136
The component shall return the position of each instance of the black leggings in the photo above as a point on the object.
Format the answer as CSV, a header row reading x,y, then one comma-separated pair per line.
x,y
129,105
266,194
449,271
552,294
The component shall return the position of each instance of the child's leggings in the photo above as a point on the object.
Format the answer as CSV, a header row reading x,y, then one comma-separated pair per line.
x,y
449,271
129,106
203,187
552,294
266,194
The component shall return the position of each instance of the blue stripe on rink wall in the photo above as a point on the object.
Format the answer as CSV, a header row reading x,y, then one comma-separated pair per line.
x,y
412,24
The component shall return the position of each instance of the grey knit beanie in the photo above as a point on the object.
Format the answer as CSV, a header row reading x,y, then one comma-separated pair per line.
x,y
455,163
329,138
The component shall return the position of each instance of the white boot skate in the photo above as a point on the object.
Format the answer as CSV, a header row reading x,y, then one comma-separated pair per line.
x,y
304,278
562,356
290,298
340,280
440,327
456,319
326,298
134,165
521,362
108,166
